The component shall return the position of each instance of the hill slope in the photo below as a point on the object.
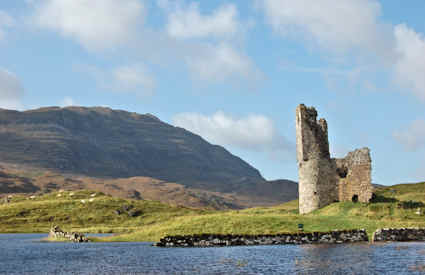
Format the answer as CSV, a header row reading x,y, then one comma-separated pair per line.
x,y
102,142
119,153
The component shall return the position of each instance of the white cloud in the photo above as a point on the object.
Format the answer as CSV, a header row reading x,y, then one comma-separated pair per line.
x,y
339,26
253,133
6,21
345,27
188,22
135,79
11,90
413,137
207,42
67,101
96,24
410,65
106,24
207,62
221,63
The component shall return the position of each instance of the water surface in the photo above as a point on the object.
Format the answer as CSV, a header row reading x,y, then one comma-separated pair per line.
x,y
25,254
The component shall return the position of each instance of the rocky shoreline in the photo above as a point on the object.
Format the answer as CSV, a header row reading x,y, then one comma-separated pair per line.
x,y
333,237
399,234
58,234
211,240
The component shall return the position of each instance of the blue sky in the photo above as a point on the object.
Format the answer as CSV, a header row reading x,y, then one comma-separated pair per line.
x,y
233,71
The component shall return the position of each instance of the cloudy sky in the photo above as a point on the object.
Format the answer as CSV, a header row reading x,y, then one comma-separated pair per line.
x,y
233,71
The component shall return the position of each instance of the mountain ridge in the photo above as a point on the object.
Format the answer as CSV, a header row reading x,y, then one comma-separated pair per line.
x,y
100,142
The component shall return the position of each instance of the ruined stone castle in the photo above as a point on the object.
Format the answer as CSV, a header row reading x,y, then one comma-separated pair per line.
x,y
322,179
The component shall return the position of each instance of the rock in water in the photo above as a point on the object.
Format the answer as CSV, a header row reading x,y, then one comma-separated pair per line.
x,y
57,233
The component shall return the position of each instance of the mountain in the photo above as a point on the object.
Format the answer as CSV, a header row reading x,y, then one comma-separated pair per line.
x,y
101,143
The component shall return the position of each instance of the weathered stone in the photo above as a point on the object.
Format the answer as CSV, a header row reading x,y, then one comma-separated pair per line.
x,y
323,180
399,234
356,184
207,240
315,167
57,233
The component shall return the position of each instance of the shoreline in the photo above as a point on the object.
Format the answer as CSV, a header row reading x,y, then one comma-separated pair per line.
x,y
332,237
382,235
218,240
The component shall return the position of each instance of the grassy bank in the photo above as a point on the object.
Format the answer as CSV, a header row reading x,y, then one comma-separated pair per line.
x,y
157,220
84,211
285,218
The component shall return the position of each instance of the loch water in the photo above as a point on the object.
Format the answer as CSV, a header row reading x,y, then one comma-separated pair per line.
x,y
27,254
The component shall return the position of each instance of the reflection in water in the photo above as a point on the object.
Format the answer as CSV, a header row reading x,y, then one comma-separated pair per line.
x,y
24,253
352,258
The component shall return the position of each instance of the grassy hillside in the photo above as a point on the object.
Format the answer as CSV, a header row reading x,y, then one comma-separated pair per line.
x,y
156,220
18,179
74,211
285,217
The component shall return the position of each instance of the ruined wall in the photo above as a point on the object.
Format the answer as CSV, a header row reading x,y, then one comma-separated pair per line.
x,y
354,176
316,170
323,180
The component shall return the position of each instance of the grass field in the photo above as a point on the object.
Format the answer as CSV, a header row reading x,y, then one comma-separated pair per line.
x,y
84,211
156,220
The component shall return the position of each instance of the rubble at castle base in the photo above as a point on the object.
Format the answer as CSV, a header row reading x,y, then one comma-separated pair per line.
x,y
322,179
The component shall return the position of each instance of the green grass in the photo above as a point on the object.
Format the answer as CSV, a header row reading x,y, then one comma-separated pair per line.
x,y
25,215
158,220
405,192
285,218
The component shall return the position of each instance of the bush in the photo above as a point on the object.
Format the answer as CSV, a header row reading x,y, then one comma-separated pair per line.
x,y
379,198
134,213
410,204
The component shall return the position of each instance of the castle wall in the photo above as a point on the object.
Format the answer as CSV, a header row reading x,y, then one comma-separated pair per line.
x,y
354,176
323,180
316,171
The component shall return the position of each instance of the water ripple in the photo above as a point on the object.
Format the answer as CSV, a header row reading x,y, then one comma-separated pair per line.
x,y
24,254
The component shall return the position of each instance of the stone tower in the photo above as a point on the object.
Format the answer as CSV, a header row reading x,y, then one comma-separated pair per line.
x,y
322,179
316,171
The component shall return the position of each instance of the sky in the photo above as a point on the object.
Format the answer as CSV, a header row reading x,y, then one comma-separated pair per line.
x,y
233,71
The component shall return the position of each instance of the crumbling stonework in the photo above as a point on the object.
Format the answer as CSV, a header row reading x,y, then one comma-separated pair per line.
x,y
316,171
322,179
354,176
